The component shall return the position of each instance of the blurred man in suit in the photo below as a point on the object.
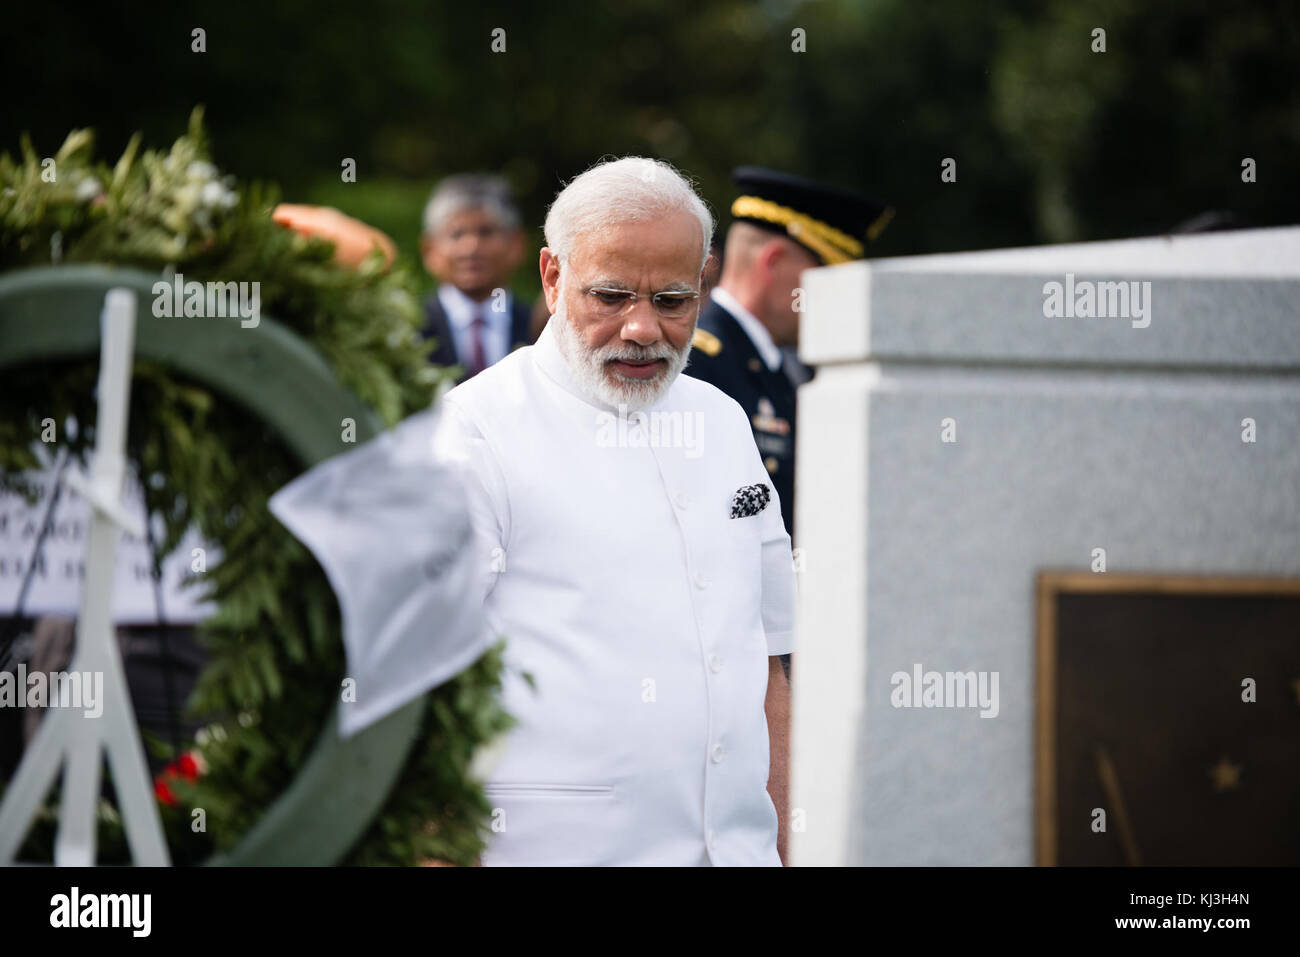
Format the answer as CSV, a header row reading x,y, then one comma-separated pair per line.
x,y
472,243
781,225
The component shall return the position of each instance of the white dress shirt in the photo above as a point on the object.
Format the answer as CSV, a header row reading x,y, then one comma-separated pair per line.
x,y
643,611
752,325
461,310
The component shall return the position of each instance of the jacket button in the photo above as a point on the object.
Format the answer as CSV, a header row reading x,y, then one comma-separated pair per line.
x,y
715,664
679,500
717,754
701,580
771,463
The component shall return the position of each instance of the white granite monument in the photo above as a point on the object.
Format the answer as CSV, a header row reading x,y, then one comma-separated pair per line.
x,y
976,418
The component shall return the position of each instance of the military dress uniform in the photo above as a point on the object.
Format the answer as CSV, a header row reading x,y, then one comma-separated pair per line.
x,y
733,350
726,356
643,583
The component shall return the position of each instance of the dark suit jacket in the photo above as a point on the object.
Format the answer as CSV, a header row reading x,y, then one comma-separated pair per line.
x,y
738,370
438,328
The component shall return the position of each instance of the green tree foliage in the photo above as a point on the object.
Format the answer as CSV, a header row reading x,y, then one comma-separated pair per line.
x,y
1052,141
1153,131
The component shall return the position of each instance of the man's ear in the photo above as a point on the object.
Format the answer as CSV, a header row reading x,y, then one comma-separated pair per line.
x,y
429,255
549,266
768,258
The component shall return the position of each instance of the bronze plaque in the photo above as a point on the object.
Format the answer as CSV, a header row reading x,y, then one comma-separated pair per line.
x,y
1145,714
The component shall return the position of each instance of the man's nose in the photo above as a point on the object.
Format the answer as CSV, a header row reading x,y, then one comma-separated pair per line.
x,y
641,324
471,244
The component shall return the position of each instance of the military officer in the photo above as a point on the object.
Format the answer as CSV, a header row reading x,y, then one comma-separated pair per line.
x,y
781,225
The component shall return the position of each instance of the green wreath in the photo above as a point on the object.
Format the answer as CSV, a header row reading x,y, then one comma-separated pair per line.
x,y
274,644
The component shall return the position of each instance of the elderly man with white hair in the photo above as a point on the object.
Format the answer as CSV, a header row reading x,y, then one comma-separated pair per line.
x,y
632,554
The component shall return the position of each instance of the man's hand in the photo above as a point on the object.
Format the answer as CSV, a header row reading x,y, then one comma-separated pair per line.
x,y
777,708
353,240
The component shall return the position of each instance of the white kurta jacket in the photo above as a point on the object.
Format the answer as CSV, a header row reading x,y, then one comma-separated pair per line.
x,y
644,612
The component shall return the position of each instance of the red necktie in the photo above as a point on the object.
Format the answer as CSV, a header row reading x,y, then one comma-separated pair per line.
x,y
477,357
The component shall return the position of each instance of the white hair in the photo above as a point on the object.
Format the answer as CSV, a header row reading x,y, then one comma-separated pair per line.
x,y
629,189
477,191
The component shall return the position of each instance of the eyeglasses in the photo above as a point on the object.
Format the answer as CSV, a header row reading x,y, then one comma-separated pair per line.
x,y
481,233
615,302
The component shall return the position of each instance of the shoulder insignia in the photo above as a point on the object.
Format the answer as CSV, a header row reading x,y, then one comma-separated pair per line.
x,y
706,342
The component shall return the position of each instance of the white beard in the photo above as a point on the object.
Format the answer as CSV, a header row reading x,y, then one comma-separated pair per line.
x,y
601,383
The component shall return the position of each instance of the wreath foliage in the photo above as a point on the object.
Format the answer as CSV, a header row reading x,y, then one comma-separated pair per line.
x,y
275,652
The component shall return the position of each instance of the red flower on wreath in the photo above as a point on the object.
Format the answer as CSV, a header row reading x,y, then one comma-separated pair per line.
x,y
188,766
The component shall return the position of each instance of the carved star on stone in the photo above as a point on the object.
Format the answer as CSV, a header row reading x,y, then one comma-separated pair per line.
x,y
1227,776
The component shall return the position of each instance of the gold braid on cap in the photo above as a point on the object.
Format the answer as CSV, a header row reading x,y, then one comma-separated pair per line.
x,y
833,245
881,222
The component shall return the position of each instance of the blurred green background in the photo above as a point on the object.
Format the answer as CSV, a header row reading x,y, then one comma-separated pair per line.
x,y
1053,142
